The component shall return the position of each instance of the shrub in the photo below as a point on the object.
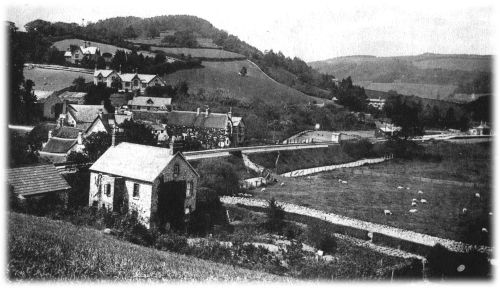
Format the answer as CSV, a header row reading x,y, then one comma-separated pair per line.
x,y
171,242
444,263
322,239
357,149
219,176
275,216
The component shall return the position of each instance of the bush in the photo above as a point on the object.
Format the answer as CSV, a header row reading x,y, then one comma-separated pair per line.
x,y
358,149
209,212
444,263
322,239
219,176
275,216
171,242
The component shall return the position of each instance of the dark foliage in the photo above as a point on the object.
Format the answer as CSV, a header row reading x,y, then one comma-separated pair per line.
x,y
444,264
275,216
219,176
21,152
322,238
135,132
358,149
96,144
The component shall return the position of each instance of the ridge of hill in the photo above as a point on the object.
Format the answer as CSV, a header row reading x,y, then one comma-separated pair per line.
x,y
60,250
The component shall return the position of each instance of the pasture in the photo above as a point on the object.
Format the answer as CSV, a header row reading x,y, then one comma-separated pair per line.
x,y
43,249
63,45
205,53
53,80
430,91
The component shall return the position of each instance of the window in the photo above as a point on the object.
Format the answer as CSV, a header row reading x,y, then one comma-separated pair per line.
x,y
107,189
189,189
143,85
77,56
176,170
136,82
136,190
127,84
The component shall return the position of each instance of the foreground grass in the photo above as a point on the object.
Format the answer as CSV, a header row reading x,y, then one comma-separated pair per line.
x,y
43,249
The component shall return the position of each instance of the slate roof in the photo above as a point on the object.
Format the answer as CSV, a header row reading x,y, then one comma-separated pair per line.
x,y
134,161
58,145
85,113
89,50
104,72
41,96
72,95
36,179
150,101
66,132
188,118
145,78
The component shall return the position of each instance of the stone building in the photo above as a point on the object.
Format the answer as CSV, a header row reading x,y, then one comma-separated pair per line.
x,y
155,182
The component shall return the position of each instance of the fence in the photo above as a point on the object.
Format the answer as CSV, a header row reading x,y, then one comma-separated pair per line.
x,y
387,231
254,182
358,163
422,179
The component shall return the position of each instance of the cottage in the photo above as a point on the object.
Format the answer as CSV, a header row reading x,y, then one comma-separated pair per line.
x,y
61,142
155,182
75,54
481,129
150,103
105,76
139,82
82,116
47,102
36,181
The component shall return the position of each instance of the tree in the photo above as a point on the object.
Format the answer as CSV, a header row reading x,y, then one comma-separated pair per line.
x,y
20,152
116,83
275,216
96,144
129,32
77,157
219,175
404,113
79,84
139,133
243,71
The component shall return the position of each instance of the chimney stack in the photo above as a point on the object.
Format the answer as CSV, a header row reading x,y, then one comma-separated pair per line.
x,y
50,134
113,137
80,139
120,71
230,114
198,111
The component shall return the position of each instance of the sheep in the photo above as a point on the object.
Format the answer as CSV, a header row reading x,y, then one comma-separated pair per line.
x,y
423,201
400,187
282,184
484,230
420,192
344,182
407,188
340,180
478,195
263,189
387,212
414,200
413,203
413,210
464,210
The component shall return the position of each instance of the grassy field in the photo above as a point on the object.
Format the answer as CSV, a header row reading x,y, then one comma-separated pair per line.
x,y
422,90
42,249
465,64
199,52
63,45
53,80
224,76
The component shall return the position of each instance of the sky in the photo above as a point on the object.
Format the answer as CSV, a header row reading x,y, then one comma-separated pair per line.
x,y
313,29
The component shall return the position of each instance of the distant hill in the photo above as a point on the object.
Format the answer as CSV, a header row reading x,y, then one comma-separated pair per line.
x,y
440,74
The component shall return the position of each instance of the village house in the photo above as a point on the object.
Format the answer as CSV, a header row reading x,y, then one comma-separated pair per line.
x,y
47,102
37,181
150,103
157,183
75,54
481,129
139,82
106,76
378,103
81,116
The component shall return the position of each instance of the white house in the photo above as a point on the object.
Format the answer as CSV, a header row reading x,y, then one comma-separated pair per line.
x,y
135,81
150,103
105,76
154,182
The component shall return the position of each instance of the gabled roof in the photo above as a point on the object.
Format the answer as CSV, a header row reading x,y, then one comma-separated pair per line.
x,y
120,118
145,78
151,101
134,161
59,145
89,50
85,113
188,118
104,73
67,54
42,96
36,180
72,95
128,77
107,121
237,121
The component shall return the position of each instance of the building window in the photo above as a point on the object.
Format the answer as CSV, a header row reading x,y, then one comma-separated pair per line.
x,y
127,84
143,85
136,83
107,189
136,190
189,189
176,170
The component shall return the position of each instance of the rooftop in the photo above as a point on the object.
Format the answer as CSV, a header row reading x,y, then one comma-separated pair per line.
x,y
85,113
72,95
150,101
189,118
36,179
58,145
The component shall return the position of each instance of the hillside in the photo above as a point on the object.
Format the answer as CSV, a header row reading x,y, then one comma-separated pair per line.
x,y
59,250
426,75
224,76
53,80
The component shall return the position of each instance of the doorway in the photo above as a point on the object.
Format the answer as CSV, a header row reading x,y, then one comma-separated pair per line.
x,y
171,197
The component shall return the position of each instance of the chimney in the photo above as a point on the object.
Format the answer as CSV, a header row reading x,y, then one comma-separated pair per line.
x,y
198,111
85,44
79,139
230,113
207,112
50,134
120,71
113,137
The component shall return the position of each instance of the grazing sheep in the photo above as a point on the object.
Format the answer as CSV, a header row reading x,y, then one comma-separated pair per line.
x,y
420,192
464,210
263,189
423,201
340,180
413,203
478,195
344,182
282,184
387,212
400,187
414,200
484,230
413,210
407,188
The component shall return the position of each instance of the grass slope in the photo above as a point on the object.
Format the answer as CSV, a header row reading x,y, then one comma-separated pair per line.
x,y
42,249
63,45
53,80
224,76
199,52
432,91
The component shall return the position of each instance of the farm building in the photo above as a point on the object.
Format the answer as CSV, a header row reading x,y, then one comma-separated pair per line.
x,y
150,103
75,54
48,102
376,103
36,181
82,116
154,182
